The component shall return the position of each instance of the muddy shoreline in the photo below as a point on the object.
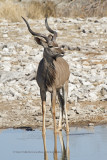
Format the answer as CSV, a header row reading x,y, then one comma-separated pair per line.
x,y
17,115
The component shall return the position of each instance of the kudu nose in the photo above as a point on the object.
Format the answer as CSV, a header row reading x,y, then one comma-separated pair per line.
x,y
62,53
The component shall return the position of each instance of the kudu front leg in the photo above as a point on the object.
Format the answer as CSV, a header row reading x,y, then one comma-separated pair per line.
x,y
43,118
43,98
53,101
45,148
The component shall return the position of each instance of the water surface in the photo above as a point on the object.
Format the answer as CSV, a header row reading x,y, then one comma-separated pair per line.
x,y
80,144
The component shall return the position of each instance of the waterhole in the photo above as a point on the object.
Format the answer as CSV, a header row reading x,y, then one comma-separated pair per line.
x,y
81,144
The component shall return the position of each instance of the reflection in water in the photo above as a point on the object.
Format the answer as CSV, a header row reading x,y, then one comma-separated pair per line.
x,y
84,144
65,151
65,154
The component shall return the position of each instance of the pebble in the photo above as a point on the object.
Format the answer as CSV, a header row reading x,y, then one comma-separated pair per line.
x,y
5,35
5,50
91,124
74,108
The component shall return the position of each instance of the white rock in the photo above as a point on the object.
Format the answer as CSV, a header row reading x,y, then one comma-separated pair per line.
x,y
71,78
5,35
74,108
30,68
85,67
7,66
87,83
91,124
99,66
71,87
102,75
6,58
93,72
93,96
5,50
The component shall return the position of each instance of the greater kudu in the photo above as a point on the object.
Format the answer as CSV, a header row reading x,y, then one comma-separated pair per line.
x,y
52,74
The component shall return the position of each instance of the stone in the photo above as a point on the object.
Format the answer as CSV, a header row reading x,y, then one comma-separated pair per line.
x,y
6,66
29,68
5,35
91,124
6,58
103,91
71,87
93,96
5,50
74,108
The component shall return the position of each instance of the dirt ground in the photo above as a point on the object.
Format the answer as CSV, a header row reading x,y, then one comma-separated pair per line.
x,y
19,114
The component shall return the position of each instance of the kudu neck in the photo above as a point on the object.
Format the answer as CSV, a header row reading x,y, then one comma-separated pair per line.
x,y
47,57
49,69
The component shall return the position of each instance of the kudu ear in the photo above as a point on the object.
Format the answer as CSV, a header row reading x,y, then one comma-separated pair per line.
x,y
40,42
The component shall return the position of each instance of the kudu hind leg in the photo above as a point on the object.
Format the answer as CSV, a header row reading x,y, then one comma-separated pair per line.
x,y
43,98
65,94
61,104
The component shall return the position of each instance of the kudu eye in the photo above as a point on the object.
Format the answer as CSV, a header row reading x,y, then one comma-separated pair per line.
x,y
50,46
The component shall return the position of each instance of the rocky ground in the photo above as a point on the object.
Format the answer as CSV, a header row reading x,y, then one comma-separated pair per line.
x,y
85,45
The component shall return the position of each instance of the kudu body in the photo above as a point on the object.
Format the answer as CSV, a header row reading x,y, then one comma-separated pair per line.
x,y
52,74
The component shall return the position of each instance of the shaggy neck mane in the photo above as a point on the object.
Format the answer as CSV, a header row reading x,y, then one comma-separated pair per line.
x,y
50,72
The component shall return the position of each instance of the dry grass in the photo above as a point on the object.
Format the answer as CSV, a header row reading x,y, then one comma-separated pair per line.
x,y
39,10
11,11
36,10
2,0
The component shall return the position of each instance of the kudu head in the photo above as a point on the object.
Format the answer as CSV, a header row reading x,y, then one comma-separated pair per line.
x,y
51,48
